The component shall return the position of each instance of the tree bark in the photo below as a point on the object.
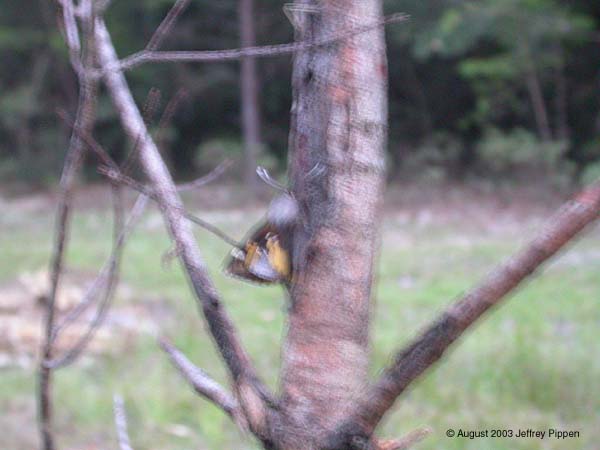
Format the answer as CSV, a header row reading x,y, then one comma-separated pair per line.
x,y
337,139
249,95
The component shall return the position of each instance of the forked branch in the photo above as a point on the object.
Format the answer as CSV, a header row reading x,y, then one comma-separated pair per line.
x,y
106,283
118,177
149,55
84,121
251,393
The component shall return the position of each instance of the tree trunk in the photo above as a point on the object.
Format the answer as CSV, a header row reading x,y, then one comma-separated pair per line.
x,y
249,95
540,111
337,139
561,104
24,133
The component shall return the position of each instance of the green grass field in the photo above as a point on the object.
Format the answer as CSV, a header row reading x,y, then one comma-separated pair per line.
x,y
532,363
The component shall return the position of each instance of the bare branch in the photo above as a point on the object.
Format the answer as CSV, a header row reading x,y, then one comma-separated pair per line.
x,y
70,27
84,120
410,363
201,382
89,140
148,111
118,177
252,393
121,423
167,115
110,285
145,56
167,24
91,294
213,175
107,279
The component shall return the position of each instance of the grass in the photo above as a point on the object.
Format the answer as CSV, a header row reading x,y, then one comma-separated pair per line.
x,y
532,363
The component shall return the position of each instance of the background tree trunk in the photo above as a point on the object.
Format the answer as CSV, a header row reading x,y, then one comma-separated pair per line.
x,y
561,100
540,111
249,95
337,139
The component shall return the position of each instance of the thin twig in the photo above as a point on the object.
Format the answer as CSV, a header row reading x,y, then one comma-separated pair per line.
x,y
145,56
213,175
121,423
115,174
92,294
84,120
110,285
70,26
167,116
200,381
167,24
88,139
118,177
571,219
71,35
148,111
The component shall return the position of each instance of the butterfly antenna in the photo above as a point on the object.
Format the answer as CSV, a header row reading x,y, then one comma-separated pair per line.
x,y
117,176
264,175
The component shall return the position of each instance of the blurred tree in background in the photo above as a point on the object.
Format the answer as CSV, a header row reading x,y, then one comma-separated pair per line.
x,y
483,88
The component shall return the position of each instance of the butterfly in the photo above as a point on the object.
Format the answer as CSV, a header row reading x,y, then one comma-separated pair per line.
x,y
264,258
266,255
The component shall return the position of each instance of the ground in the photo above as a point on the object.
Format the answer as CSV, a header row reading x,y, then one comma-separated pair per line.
x,y
532,363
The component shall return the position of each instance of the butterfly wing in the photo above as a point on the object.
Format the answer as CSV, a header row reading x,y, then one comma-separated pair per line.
x,y
235,266
263,259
